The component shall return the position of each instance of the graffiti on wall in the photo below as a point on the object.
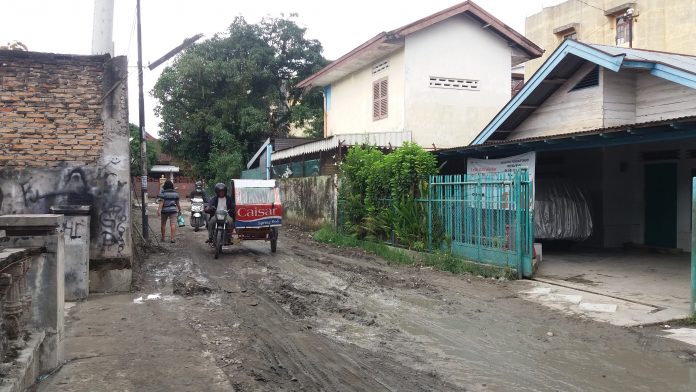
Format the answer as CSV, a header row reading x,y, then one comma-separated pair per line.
x,y
100,187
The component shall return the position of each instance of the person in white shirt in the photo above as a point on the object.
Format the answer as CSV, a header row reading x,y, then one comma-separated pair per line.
x,y
221,201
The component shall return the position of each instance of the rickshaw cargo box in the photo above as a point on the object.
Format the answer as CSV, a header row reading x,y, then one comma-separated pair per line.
x,y
258,204
258,215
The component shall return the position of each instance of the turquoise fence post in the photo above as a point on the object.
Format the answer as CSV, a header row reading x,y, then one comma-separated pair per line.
x,y
479,217
518,225
693,247
430,214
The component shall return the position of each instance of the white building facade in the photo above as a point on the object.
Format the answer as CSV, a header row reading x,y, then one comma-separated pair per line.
x,y
439,79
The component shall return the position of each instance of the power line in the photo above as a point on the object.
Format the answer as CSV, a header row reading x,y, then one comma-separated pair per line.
x,y
130,38
590,5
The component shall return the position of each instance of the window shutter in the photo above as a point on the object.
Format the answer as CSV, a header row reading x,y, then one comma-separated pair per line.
x,y
380,99
375,101
384,96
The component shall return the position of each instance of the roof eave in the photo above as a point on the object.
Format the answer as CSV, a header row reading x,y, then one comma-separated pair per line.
x,y
512,36
576,48
308,82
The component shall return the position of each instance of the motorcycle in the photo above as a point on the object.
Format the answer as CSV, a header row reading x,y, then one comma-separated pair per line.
x,y
220,237
198,218
257,216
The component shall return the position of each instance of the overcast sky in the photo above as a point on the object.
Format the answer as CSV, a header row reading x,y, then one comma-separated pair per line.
x,y
65,26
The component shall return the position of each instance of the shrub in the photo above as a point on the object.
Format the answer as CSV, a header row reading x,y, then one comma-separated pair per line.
x,y
379,194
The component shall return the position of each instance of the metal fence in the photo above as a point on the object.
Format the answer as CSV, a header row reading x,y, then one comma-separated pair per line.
x,y
254,174
296,169
486,218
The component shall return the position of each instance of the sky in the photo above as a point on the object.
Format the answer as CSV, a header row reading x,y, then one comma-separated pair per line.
x,y
65,26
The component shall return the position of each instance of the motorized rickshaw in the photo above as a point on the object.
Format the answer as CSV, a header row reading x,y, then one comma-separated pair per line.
x,y
258,215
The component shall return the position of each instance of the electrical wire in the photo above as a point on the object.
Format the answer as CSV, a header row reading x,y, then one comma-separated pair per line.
x,y
130,38
590,5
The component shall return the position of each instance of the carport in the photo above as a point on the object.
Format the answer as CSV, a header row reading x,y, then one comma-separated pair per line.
x,y
618,169
613,131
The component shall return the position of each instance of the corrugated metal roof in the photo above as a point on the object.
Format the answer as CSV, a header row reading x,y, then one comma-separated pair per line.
x,y
280,144
565,61
681,61
383,139
570,135
387,42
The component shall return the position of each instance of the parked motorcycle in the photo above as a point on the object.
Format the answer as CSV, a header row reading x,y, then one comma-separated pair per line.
x,y
198,218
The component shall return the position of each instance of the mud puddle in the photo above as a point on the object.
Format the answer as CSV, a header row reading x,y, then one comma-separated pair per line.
x,y
313,317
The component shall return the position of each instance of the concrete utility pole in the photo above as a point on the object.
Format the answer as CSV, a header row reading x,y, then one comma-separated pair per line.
x,y
103,27
141,115
141,109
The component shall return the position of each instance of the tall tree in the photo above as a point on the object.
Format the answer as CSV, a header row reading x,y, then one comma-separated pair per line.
x,y
223,96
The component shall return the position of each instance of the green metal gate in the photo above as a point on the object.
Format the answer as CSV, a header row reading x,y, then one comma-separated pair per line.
x,y
486,218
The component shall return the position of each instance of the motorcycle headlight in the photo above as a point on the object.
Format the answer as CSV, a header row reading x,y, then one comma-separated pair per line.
x,y
220,215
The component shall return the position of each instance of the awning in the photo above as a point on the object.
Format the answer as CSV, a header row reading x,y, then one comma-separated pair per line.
x,y
648,132
382,139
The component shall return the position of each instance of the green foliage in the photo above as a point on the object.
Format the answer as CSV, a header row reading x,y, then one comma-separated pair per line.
x,y
227,94
439,261
689,321
407,168
379,194
151,147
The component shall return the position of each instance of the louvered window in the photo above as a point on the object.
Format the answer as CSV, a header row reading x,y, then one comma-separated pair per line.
x,y
590,80
379,67
380,99
454,83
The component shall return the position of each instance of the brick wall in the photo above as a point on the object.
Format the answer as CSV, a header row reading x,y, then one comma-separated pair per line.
x,y
50,108
64,141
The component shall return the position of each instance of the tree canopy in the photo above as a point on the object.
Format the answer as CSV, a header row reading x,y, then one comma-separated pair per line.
x,y
222,97
135,151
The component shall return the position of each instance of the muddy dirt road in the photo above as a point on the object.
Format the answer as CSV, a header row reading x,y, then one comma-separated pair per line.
x,y
316,318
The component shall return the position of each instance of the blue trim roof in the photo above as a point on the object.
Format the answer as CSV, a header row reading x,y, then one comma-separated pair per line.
x,y
567,59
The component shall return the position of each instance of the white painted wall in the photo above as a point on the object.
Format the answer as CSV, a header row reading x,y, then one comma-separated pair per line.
x,y
659,99
457,48
350,109
566,111
619,97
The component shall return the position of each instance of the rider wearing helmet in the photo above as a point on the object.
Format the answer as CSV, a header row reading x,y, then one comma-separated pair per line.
x,y
221,201
198,192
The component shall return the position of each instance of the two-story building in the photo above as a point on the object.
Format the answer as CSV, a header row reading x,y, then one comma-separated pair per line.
x,y
436,81
666,25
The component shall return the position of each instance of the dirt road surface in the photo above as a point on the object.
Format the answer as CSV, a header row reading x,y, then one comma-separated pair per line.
x,y
316,318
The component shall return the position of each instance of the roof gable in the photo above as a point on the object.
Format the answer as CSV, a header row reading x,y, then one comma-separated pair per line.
x,y
388,42
565,61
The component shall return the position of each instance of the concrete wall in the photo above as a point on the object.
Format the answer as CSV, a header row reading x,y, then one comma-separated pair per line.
x,y
455,48
666,25
309,202
64,132
45,278
350,107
